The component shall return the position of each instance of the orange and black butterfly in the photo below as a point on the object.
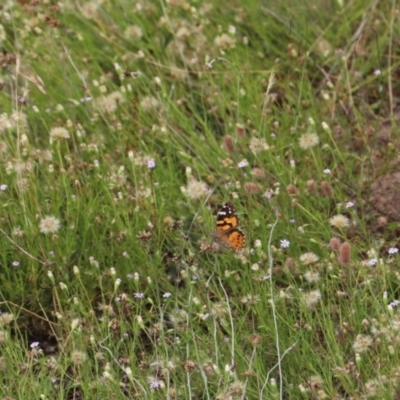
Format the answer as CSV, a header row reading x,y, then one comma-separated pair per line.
x,y
227,229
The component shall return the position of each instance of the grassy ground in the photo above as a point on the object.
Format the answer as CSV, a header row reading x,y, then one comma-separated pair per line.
x,y
125,126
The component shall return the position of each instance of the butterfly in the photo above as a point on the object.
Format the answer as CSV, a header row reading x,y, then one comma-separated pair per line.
x,y
227,229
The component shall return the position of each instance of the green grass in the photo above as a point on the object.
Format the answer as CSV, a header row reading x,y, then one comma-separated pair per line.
x,y
125,289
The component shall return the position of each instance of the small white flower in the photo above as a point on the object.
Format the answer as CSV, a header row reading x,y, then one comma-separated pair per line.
x,y
58,133
268,194
394,303
349,204
49,224
255,267
372,262
325,126
154,383
243,163
3,187
393,250
308,140
339,221
327,171
257,145
151,164
312,277
312,298
285,243
362,343
309,258
196,189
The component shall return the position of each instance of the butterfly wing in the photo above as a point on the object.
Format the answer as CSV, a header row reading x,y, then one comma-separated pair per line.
x,y
227,228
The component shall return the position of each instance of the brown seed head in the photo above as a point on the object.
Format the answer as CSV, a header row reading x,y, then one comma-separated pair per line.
x,y
334,243
311,185
189,365
255,340
208,369
251,188
229,145
240,129
258,173
381,222
291,189
344,253
327,189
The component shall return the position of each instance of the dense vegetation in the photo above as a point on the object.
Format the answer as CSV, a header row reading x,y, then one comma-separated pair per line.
x,y
125,126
